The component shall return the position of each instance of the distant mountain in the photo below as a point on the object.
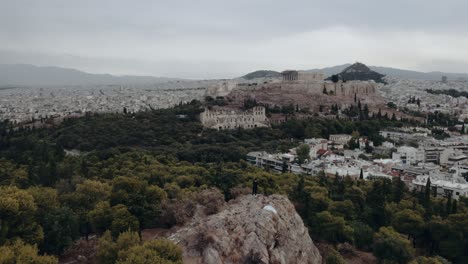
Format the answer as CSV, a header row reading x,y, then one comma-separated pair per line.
x,y
360,72
261,74
397,73
30,75
407,74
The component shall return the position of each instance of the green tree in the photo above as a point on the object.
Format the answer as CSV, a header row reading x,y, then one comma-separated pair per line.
x,y
448,206
12,174
333,228
454,207
142,200
353,143
398,189
20,252
165,249
128,249
108,249
391,105
344,209
363,235
100,217
408,222
60,230
18,216
123,220
303,153
60,224
427,193
334,257
335,78
92,192
391,246
366,111
356,195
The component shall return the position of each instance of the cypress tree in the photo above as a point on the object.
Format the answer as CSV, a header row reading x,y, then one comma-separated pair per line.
x,y
427,192
449,205
285,167
454,207
398,189
366,111
337,177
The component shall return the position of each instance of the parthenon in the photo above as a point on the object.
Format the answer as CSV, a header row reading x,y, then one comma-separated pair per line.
x,y
292,75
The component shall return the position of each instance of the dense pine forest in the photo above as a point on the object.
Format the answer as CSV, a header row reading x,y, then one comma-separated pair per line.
x,y
113,175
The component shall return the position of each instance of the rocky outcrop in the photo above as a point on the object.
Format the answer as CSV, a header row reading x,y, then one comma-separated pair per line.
x,y
261,229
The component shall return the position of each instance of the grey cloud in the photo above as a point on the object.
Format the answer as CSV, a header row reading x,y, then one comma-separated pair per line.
x,y
190,30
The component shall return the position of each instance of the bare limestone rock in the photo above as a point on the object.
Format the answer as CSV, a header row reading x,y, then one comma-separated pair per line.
x,y
261,229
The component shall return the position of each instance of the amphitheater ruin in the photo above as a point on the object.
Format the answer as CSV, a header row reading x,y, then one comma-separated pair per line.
x,y
224,118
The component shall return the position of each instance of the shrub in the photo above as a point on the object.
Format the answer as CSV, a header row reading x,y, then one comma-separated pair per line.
x,y
20,252
334,257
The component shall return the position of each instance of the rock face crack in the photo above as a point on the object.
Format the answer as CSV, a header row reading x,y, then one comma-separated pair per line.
x,y
244,231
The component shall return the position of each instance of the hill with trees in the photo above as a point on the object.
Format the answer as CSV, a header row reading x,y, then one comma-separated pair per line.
x,y
358,72
261,74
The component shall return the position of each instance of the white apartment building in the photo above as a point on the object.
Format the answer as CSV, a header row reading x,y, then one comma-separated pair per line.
x,y
409,155
441,186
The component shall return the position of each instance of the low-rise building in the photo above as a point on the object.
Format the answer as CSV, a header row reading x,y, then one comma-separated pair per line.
x,y
342,139
316,144
409,155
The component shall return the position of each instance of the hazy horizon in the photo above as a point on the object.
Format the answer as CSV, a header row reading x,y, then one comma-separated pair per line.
x,y
214,39
177,77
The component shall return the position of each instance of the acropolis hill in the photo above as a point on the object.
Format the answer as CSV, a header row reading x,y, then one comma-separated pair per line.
x,y
301,88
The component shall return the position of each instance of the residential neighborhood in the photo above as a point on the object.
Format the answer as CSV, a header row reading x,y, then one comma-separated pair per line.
x,y
444,162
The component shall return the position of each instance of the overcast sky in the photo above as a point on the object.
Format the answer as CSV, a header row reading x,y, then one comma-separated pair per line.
x,y
227,38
